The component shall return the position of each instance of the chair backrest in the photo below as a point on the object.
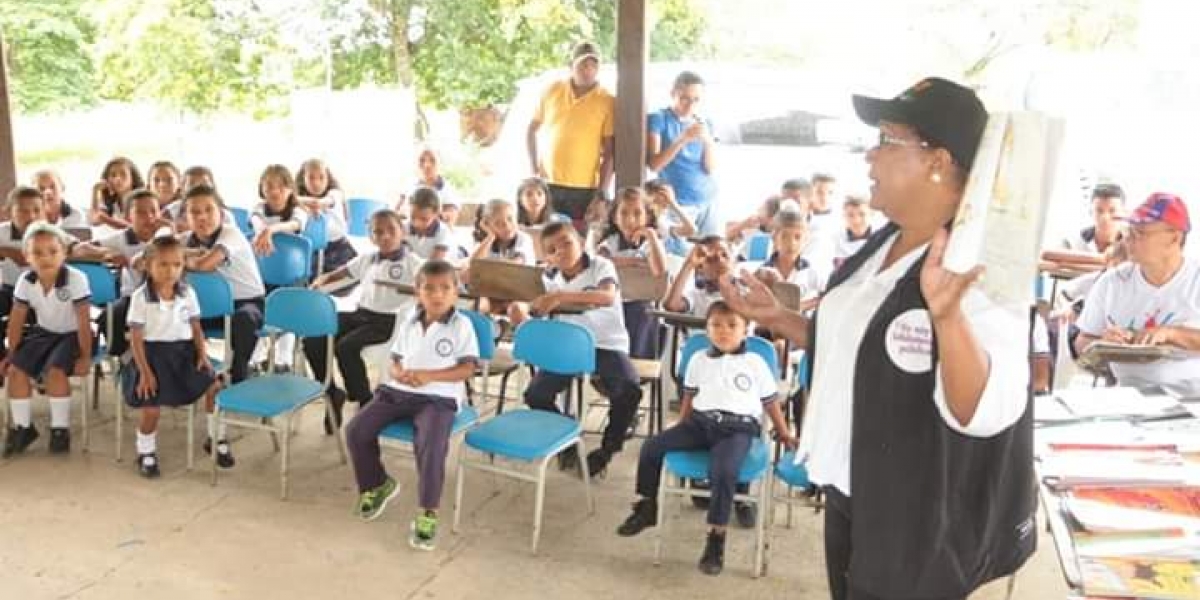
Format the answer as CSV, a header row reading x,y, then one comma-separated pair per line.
x,y
485,335
556,346
290,263
304,312
102,282
213,292
242,216
360,210
316,231
758,247
700,342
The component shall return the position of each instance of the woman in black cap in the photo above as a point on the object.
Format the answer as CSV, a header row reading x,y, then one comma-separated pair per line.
x,y
918,427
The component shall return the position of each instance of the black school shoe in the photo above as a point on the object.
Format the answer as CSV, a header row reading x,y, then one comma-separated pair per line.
x,y
568,459
645,514
713,559
18,439
746,513
597,462
337,397
224,453
60,440
148,465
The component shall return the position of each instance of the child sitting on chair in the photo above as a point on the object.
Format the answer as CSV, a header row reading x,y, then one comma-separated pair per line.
x,y
58,346
434,353
726,392
170,366
695,287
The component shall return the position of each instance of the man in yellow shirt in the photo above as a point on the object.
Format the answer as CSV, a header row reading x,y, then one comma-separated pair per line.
x,y
578,162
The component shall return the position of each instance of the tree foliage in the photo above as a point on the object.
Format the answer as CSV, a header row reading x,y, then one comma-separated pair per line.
x,y
50,66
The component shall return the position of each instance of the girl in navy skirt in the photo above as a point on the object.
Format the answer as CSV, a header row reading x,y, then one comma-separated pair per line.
x,y
54,349
322,197
631,239
170,366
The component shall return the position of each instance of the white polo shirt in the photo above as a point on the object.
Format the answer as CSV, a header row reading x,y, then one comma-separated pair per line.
x,y
519,249
804,275
1083,240
14,239
239,268
164,320
607,323
55,309
738,382
616,245
71,217
842,320
445,343
263,217
848,245
333,209
699,294
127,244
1123,296
438,236
374,268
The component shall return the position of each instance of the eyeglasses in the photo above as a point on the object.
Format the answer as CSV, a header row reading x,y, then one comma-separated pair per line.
x,y
886,139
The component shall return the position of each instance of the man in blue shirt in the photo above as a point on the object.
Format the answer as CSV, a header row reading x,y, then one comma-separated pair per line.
x,y
679,147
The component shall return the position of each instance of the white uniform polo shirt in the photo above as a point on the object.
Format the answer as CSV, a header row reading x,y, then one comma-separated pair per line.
x,y
699,294
162,320
804,275
71,217
127,244
239,268
519,249
263,217
607,323
438,236
739,382
848,244
55,309
616,245
374,268
333,210
445,343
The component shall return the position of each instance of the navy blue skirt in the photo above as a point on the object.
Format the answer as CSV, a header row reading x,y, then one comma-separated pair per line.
x,y
642,328
41,350
337,254
174,366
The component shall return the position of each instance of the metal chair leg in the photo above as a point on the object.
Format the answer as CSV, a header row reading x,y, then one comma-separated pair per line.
x,y
539,500
191,437
213,455
283,464
120,413
87,431
587,479
458,493
661,529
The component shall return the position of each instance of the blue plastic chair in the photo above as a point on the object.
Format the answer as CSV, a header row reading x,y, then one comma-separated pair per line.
x,y
289,264
216,300
758,247
306,314
103,284
242,218
316,231
360,211
534,436
693,464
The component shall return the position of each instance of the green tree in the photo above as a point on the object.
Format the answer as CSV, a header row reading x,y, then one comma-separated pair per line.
x,y
50,68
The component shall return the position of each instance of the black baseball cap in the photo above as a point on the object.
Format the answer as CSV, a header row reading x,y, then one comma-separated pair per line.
x,y
944,113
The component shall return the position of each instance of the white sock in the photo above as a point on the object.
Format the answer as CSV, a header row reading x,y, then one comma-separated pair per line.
x,y
22,414
260,352
60,413
212,429
147,443
285,348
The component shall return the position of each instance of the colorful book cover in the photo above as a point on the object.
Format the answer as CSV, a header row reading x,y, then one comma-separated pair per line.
x,y
1141,578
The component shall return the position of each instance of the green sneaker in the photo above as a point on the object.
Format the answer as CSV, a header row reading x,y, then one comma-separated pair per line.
x,y
424,532
372,502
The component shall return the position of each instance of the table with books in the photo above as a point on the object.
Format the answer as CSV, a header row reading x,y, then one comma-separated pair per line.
x,y
1119,479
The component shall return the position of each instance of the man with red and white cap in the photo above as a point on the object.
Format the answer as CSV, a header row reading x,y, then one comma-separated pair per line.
x,y
579,117
1152,299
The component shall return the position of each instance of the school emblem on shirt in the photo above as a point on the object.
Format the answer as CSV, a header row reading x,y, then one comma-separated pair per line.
x,y
395,271
909,341
63,294
444,347
742,382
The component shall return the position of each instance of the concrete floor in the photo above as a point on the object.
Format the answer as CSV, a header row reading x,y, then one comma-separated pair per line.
x,y
85,527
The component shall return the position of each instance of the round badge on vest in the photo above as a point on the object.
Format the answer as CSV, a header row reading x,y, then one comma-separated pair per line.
x,y
62,294
742,382
395,271
909,341
444,347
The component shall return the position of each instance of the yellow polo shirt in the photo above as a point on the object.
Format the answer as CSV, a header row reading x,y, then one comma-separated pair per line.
x,y
576,128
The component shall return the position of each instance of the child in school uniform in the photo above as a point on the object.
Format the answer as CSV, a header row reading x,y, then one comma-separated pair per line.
x,y
320,194
579,278
631,238
787,262
726,392
279,212
58,346
760,222
695,286
856,216
499,238
533,203
169,366
674,225
427,235
165,182
216,246
434,354
58,211
119,177
124,248
375,318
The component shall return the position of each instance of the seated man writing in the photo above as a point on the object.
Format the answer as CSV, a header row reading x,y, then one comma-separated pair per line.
x,y
1153,299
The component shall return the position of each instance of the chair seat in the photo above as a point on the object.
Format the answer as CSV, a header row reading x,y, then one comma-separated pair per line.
x,y
647,369
693,464
270,395
524,434
402,431
791,473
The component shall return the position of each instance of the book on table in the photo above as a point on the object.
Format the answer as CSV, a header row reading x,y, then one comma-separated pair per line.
x,y
1140,577
1135,508
1113,465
